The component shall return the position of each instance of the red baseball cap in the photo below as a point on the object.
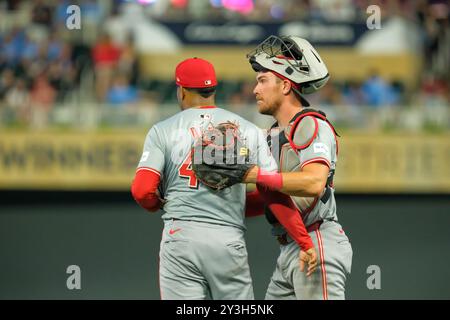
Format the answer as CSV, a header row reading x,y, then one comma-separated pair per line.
x,y
195,73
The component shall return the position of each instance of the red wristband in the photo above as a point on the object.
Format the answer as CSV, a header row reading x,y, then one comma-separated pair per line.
x,y
269,180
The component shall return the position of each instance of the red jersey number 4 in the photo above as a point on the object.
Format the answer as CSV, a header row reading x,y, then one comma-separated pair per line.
x,y
186,171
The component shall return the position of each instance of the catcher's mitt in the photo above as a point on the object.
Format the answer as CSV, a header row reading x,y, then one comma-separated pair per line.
x,y
220,158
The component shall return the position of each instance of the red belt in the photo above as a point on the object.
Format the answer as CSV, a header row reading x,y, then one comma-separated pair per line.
x,y
284,239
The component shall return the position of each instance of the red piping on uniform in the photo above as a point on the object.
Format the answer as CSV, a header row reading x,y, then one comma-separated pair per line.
x,y
148,169
207,107
322,266
315,160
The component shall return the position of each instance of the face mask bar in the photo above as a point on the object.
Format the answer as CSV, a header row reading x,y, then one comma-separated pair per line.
x,y
275,46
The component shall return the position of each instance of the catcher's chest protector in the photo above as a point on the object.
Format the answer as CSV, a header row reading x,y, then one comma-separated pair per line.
x,y
300,133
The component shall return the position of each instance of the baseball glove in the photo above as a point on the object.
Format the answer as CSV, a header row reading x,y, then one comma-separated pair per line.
x,y
220,158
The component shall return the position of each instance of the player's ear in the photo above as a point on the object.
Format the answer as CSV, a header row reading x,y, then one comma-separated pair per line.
x,y
181,93
287,86
184,93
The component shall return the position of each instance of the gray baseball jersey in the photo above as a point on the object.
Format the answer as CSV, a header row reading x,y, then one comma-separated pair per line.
x,y
316,142
203,253
167,151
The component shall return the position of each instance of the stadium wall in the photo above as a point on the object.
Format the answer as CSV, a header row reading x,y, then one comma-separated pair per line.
x,y
115,244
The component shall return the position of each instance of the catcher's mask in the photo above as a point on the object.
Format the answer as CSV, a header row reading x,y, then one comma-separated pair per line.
x,y
291,58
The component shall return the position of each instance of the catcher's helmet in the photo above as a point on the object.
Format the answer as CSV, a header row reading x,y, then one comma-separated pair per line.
x,y
293,58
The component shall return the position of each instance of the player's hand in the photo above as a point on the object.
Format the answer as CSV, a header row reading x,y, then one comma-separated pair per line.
x,y
163,201
251,175
308,257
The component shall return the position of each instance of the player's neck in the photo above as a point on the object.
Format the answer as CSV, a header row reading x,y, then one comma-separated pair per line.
x,y
200,102
286,112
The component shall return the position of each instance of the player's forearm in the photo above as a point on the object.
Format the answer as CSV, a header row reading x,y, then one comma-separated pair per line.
x,y
282,206
302,184
305,184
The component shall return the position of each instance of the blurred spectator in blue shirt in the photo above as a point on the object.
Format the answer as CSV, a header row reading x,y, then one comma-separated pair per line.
x,y
91,10
13,46
377,92
121,92
61,14
54,47
30,50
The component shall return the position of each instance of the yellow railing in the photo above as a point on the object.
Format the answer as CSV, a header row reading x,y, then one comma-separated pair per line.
x,y
75,161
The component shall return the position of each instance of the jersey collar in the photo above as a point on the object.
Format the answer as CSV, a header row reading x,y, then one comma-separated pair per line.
x,y
207,107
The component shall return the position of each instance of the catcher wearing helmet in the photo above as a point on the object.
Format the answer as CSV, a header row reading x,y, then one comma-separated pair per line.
x,y
305,145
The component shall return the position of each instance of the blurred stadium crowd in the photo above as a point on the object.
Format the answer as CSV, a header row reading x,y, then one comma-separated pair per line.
x,y
45,67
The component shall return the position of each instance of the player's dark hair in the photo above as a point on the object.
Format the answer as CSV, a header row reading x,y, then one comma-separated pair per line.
x,y
204,92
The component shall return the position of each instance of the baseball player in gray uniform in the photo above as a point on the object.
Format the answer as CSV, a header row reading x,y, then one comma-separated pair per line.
x,y
305,145
203,253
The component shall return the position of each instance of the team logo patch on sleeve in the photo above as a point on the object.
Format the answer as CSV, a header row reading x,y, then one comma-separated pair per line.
x,y
320,147
144,156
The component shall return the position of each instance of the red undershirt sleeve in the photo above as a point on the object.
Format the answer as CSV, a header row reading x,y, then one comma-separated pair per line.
x,y
287,214
144,188
254,204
